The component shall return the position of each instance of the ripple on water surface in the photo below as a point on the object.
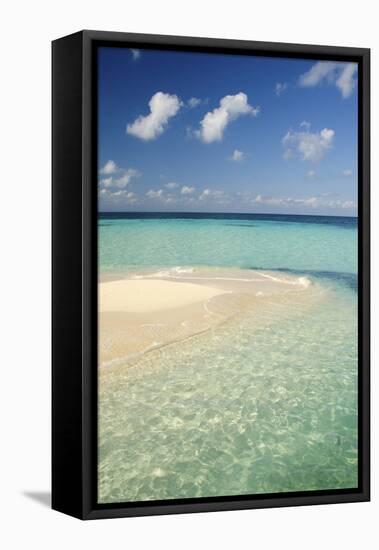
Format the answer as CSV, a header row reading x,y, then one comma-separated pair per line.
x,y
251,406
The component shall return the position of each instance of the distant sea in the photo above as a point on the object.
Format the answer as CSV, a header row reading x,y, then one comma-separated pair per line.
x,y
240,409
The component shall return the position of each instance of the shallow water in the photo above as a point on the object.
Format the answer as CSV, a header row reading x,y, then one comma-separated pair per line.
x,y
256,405
316,243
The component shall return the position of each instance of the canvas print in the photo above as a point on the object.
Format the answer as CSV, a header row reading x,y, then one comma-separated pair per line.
x,y
227,275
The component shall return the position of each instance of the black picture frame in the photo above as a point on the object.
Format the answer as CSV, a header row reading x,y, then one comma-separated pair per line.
x,y
74,273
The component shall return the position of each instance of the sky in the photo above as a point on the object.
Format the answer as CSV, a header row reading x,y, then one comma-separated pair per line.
x,y
199,132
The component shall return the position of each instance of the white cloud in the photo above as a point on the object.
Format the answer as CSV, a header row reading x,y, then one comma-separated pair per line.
x,y
124,175
154,194
119,197
110,167
339,74
310,146
125,179
310,202
305,124
135,53
311,174
162,107
318,72
187,190
209,194
106,182
346,82
347,173
280,87
194,102
171,185
237,156
349,204
206,193
131,197
215,122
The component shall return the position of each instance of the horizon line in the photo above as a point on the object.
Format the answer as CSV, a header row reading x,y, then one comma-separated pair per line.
x,y
221,213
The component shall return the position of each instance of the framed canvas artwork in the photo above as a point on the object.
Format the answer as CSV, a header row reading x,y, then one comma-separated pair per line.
x,y
210,274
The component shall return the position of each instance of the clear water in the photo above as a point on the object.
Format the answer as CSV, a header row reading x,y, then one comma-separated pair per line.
x,y
248,407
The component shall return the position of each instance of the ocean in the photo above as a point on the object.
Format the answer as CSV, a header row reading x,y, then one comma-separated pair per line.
x,y
267,404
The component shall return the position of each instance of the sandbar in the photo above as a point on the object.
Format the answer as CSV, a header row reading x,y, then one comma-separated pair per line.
x,y
141,296
142,312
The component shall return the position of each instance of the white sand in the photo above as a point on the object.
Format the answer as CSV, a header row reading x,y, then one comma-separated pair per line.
x,y
144,314
149,295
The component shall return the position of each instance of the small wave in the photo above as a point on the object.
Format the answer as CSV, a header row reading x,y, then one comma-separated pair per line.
x,y
180,269
302,281
131,358
171,272
177,272
347,279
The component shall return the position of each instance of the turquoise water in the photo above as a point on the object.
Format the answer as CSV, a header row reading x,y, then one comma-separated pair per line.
x,y
256,406
279,242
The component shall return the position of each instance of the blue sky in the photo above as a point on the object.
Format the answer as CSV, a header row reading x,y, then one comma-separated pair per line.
x,y
181,131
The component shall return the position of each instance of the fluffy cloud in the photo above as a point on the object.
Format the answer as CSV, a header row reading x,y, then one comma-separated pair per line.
x,y
162,107
187,190
119,197
346,82
308,145
339,74
171,185
237,156
205,194
117,177
209,194
280,87
347,173
110,167
154,194
122,181
214,123
132,197
194,102
106,182
135,53
320,71
126,177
